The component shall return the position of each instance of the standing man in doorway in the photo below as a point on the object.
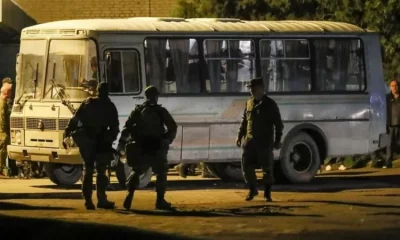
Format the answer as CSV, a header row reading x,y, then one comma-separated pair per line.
x,y
392,122
259,118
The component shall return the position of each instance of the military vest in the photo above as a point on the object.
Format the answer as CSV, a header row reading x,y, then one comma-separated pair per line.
x,y
259,120
149,122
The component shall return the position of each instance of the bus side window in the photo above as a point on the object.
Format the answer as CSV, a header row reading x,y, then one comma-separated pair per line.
x,y
230,64
285,65
339,65
123,71
169,65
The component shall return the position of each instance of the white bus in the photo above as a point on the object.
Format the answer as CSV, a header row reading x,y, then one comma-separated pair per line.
x,y
326,77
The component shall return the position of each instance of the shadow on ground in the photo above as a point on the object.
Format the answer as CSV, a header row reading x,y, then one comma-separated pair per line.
x,y
260,210
327,182
7,206
357,204
56,229
334,234
345,173
48,195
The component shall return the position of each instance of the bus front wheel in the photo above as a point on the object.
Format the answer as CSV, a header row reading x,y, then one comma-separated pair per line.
x,y
63,174
300,158
123,170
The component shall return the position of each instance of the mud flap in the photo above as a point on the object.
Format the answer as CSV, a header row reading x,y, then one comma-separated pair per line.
x,y
383,140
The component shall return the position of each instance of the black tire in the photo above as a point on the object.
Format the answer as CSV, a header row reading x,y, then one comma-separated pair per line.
x,y
226,171
300,160
63,174
123,170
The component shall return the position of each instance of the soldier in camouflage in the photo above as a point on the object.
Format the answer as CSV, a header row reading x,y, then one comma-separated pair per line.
x,y
94,127
146,126
4,127
260,115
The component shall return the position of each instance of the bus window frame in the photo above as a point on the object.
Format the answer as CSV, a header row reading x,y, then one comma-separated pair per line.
x,y
257,56
96,43
310,59
364,91
111,49
200,41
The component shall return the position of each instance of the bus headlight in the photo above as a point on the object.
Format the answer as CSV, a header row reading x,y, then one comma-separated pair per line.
x,y
18,137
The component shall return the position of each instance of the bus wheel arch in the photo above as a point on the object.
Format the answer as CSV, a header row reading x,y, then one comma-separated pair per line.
x,y
302,154
63,174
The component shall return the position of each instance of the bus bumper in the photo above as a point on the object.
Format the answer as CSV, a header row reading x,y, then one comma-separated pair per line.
x,y
383,140
52,155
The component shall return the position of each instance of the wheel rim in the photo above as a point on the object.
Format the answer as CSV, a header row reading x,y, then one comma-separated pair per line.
x,y
68,168
301,157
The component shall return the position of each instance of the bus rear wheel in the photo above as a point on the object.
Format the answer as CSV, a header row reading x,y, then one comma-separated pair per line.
x,y
63,174
226,171
300,160
123,170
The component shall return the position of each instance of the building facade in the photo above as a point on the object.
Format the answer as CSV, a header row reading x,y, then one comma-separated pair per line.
x,y
52,10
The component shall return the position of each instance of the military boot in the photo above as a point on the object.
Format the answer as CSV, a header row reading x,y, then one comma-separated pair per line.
x,y
267,193
161,203
89,204
181,169
252,193
105,204
128,200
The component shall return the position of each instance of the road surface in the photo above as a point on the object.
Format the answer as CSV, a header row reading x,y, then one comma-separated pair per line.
x,y
354,204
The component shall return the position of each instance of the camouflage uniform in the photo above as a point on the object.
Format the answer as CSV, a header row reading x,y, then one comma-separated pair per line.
x,y
258,120
4,133
153,141
97,121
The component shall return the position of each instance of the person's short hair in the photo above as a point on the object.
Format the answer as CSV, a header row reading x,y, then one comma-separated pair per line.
x,y
7,80
151,92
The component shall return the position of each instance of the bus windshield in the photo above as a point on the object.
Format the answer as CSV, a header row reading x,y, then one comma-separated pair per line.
x,y
30,69
72,69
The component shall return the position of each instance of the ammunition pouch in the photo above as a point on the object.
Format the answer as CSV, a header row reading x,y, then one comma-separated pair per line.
x,y
81,138
134,156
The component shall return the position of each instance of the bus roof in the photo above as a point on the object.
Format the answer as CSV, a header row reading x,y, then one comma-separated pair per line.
x,y
155,24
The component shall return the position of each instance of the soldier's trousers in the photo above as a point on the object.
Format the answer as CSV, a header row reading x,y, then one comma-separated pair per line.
x,y
393,144
257,153
159,164
4,141
90,161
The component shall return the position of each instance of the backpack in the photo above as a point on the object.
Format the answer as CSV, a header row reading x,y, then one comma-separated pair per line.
x,y
149,122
